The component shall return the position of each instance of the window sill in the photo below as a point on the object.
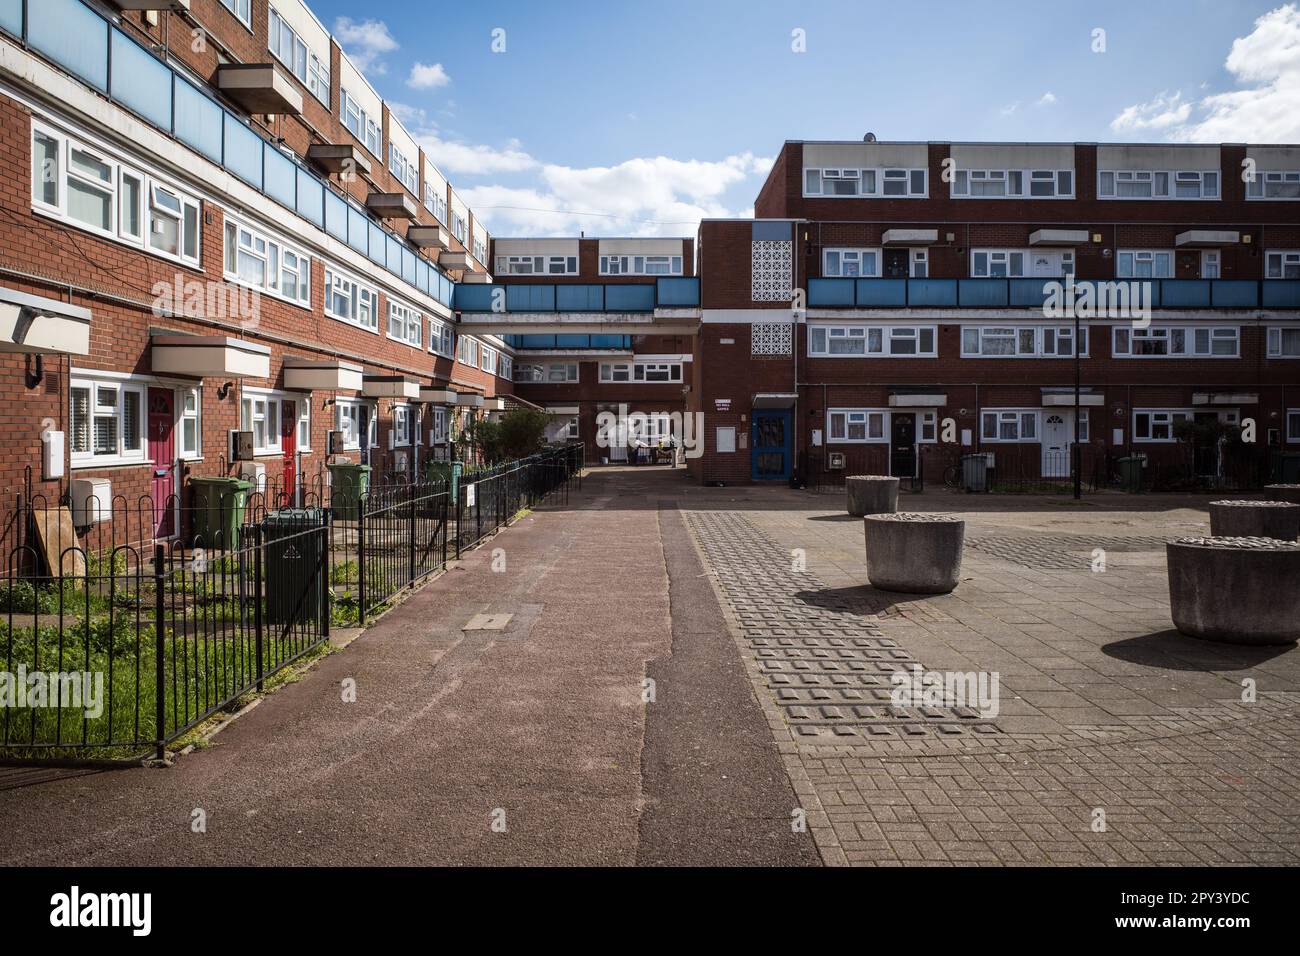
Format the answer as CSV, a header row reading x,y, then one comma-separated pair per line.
x,y
106,462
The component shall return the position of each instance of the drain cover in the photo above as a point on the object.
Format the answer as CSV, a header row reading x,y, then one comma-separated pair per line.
x,y
488,622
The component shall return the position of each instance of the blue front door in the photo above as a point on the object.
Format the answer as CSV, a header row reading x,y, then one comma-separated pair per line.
x,y
771,444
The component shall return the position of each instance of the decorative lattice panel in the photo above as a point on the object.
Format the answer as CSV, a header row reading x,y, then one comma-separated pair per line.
x,y
772,270
772,338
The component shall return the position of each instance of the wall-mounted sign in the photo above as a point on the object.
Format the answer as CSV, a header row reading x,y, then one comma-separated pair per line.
x,y
722,404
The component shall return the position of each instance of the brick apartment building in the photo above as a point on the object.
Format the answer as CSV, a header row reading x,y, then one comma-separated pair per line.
x,y
213,225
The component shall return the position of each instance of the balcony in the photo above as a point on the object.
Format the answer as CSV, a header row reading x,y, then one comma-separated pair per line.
x,y
428,237
849,293
339,158
392,206
666,306
259,88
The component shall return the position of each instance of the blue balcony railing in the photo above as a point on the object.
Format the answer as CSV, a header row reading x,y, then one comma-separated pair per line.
x,y
570,341
833,293
99,54
682,292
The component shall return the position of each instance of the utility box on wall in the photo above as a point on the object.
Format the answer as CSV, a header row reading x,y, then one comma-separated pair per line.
x,y
241,446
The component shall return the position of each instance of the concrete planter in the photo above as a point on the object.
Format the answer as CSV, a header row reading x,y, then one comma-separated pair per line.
x,y
871,495
1235,590
1255,519
914,553
1289,493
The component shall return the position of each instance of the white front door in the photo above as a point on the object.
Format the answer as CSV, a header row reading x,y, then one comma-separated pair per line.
x,y
1057,433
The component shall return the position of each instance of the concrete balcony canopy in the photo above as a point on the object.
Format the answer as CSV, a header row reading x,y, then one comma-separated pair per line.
x,y
339,158
910,237
477,278
1058,237
433,395
917,398
393,205
1225,398
428,237
304,375
33,324
469,400
208,356
449,259
259,88
1207,238
1064,398
390,386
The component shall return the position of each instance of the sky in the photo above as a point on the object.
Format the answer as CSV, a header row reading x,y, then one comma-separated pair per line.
x,y
630,118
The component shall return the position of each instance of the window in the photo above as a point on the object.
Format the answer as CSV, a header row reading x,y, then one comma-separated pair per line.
x,y
570,431
1021,263
640,265
351,418
467,351
1150,184
254,258
1282,265
1144,264
1157,425
1274,185
404,169
616,371
303,405
1284,343
904,182
657,372
1175,342
92,190
441,337
505,367
348,300
401,425
529,373
243,9
364,128
458,227
920,263
488,360
1293,425
1013,183
537,265
835,341
290,50
855,425
404,324
1009,425
1210,264
851,262
562,372
107,421
435,201
480,249
826,181
438,428
189,443
260,414
1013,342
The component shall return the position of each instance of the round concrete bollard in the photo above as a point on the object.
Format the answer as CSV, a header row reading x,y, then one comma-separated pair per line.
x,y
1235,590
914,553
1255,519
871,495
1289,493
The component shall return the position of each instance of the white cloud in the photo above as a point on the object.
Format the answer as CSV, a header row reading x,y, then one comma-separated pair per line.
x,y
1010,108
365,42
427,77
1161,113
1266,109
474,159
1047,99
409,116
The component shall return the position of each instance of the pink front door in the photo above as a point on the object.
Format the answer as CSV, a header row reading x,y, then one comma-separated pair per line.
x,y
162,450
289,445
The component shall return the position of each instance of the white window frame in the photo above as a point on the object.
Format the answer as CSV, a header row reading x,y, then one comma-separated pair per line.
x,y
148,210
641,372
467,351
279,259
1163,418
1257,189
118,386
185,414
881,344
435,202
1017,263
367,130
567,375
1277,336
1036,346
1285,258
403,421
459,227
362,299
1140,257
408,322
526,372
1163,184
270,413
241,10
851,262
871,182
617,373
487,360
442,338
537,265
1181,341
315,73
404,169
1016,183
845,420
1025,423
640,265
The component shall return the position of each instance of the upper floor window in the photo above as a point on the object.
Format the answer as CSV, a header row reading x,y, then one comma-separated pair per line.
x,y
459,228
1175,342
350,301
851,262
850,341
1013,183
467,351
1284,343
562,372
528,373
1013,342
488,360
1274,185
1282,265
435,202
840,182
657,372
1019,263
640,265
1148,184
480,249
91,189
1144,264
243,9
441,338
404,324
505,367
365,128
254,258
537,265
289,49
403,168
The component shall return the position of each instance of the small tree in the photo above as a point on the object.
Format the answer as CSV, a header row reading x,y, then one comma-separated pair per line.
x,y
518,433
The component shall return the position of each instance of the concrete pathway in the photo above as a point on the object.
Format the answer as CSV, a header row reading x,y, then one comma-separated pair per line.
x,y
525,745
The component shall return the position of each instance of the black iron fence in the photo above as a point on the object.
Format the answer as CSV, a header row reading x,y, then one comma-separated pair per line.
x,y
114,642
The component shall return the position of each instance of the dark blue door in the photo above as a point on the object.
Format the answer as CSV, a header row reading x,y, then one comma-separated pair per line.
x,y
771,444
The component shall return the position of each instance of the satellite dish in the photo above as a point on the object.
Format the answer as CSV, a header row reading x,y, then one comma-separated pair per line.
x,y
869,138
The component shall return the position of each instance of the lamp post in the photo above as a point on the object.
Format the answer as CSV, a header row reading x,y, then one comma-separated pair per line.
x,y
1075,456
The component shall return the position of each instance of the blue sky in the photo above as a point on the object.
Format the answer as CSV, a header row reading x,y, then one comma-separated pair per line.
x,y
639,118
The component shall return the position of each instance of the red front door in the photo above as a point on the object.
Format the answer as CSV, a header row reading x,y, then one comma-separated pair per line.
x,y
162,450
289,444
